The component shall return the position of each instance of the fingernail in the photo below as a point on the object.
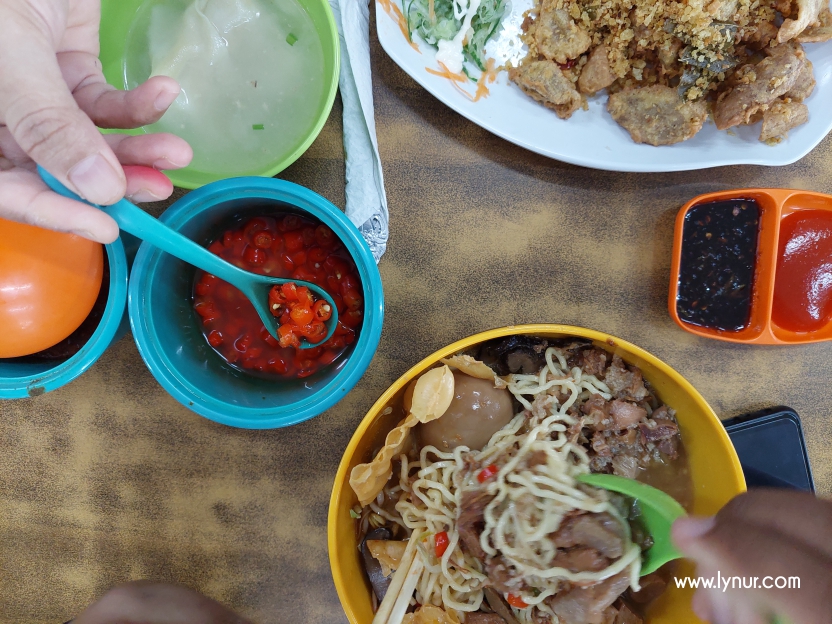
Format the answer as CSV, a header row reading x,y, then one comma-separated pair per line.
x,y
165,99
162,164
686,530
96,181
144,195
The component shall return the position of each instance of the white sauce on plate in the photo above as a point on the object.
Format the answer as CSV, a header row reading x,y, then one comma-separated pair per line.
x,y
449,53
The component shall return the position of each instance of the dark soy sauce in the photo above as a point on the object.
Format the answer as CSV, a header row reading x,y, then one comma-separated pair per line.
x,y
716,273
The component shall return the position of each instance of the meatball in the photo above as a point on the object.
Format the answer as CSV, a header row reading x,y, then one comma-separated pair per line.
x,y
477,411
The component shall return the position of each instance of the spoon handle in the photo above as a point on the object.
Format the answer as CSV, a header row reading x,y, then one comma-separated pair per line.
x,y
137,222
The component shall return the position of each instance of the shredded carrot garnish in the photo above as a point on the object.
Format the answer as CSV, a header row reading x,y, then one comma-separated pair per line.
x,y
396,13
456,79
488,76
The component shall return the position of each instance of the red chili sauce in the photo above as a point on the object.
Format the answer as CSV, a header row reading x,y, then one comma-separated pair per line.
x,y
282,246
803,285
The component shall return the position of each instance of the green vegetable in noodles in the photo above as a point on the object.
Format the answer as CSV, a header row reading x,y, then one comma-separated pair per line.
x,y
291,39
258,127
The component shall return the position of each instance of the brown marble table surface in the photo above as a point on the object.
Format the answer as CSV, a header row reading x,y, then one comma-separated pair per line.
x,y
109,479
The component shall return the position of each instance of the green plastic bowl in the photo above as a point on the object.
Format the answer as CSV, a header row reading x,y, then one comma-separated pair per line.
x,y
117,17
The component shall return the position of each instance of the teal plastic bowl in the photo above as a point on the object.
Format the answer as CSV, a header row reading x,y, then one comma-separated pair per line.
x,y
167,330
26,377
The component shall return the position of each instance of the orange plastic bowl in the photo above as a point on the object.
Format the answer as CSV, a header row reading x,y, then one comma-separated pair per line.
x,y
775,205
49,282
715,469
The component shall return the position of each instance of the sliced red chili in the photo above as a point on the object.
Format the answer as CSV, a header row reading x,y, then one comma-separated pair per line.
x,y
255,256
292,247
487,472
262,240
322,310
440,543
516,601
301,315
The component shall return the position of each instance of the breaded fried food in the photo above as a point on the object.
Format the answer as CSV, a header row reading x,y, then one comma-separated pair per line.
x,y
545,82
596,74
781,117
557,36
759,85
657,115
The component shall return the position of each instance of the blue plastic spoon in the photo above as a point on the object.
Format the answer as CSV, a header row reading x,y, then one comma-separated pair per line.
x,y
137,222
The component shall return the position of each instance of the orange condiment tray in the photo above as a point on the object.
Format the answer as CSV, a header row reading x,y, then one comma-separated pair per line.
x,y
775,205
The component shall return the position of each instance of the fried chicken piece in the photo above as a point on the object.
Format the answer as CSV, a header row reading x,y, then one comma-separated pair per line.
x,y
807,15
657,115
545,82
760,85
596,74
557,36
782,117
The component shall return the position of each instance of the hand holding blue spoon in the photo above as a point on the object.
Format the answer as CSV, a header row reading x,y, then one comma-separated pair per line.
x,y
137,222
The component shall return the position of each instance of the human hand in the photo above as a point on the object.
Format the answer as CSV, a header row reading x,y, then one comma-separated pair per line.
x,y
763,533
52,96
144,602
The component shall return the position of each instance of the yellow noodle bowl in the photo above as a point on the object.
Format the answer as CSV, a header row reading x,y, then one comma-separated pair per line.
x,y
456,579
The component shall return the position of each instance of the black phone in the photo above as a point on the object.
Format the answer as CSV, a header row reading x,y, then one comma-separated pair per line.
x,y
772,449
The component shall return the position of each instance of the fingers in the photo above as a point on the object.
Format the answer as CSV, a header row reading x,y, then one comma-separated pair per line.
x,y
156,603
735,548
160,151
42,116
109,107
149,152
25,198
800,516
147,185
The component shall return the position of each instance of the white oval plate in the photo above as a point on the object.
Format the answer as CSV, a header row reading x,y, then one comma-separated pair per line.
x,y
591,138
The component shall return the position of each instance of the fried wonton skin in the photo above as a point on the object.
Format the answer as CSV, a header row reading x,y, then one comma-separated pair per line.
x,y
807,14
657,115
431,397
545,82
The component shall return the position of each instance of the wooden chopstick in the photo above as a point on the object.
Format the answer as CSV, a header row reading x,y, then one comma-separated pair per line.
x,y
406,593
386,607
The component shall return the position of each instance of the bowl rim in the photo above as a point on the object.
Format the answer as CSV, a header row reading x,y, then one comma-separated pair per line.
x,y
191,179
341,482
71,368
205,198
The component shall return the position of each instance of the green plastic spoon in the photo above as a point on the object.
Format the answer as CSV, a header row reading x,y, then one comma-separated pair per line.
x,y
137,222
658,512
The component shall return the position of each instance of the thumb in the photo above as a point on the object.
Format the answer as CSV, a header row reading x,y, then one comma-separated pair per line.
x,y
42,116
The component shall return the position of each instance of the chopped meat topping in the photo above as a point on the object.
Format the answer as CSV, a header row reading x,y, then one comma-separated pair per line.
x,y
471,520
586,605
598,531
581,559
626,415
625,383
